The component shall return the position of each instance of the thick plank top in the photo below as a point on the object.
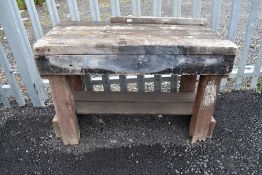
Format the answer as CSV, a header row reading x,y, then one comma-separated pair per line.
x,y
82,38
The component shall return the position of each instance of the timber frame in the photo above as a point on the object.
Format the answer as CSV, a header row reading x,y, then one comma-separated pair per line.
x,y
72,51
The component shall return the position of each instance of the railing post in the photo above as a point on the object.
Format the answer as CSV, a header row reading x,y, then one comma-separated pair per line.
x,y
216,14
257,69
94,7
136,11
30,5
196,6
177,8
247,42
73,10
115,8
11,77
157,8
52,12
235,12
19,43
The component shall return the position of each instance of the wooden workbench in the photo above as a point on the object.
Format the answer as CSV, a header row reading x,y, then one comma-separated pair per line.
x,y
135,46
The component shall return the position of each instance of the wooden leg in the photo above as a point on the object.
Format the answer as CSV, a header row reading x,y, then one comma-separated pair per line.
x,y
188,83
208,89
211,127
56,126
65,109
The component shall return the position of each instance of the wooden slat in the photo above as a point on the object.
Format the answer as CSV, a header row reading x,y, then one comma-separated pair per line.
x,y
173,81
140,83
160,20
134,108
106,83
123,83
133,97
133,39
157,83
88,82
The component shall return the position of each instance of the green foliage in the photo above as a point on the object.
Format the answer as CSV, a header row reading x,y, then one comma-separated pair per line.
x,y
22,6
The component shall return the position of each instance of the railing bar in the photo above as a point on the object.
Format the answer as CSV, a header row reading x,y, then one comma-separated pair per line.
x,y
157,8
216,14
157,83
19,43
52,12
115,8
94,7
177,8
223,84
196,5
4,98
88,82
30,5
123,83
257,69
106,83
140,83
235,12
73,10
136,9
11,77
247,43
174,80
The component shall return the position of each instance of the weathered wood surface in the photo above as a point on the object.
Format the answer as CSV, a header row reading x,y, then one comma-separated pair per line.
x,y
207,92
134,103
65,109
56,126
188,83
159,20
134,64
211,127
125,39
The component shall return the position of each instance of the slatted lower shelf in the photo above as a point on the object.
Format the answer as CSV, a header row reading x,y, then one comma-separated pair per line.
x,y
134,103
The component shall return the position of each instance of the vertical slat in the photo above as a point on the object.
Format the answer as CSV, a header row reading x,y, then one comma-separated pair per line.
x,y
136,10
257,69
94,7
247,42
4,98
235,12
216,14
30,5
52,12
19,43
115,8
106,83
157,83
11,77
140,83
88,82
157,8
174,79
73,10
196,5
123,83
177,8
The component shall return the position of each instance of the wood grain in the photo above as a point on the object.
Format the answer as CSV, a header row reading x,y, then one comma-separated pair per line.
x,y
159,20
188,83
65,109
83,39
208,89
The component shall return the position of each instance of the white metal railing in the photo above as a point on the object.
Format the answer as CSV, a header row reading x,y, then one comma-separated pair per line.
x,y
11,21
